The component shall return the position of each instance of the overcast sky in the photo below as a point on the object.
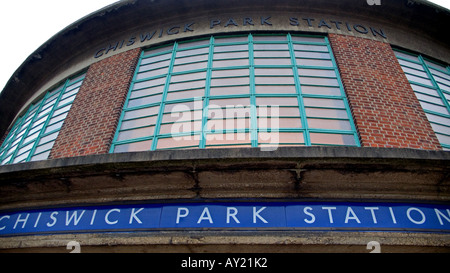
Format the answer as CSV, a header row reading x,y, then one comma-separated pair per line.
x,y
26,24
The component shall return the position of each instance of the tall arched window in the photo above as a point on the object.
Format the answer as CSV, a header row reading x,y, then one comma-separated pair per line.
x,y
236,91
33,134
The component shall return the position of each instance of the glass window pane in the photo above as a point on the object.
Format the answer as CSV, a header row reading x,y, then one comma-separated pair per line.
x,y
188,77
280,137
228,138
182,116
218,125
137,133
312,62
180,141
138,122
438,119
282,101
141,113
190,52
274,80
278,122
147,92
310,47
230,73
271,54
231,55
270,47
145,100
319,81
268,61
187,67
213,103
133,147
419,79
308,39
275,89
326,113
319,90
230,39
229,48
230,81
183,106
332,103
229,63
53,127
180,127
233,90
329,124
44,148
313,55
316,72
337,139
441,128
411,64
42,156
274,111
185,94
187,85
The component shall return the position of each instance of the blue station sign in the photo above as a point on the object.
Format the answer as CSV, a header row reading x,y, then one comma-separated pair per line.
x,y
230,215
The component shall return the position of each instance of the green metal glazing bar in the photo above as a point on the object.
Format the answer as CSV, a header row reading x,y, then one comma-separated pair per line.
x,y
253,109
298,88
202,143
163,99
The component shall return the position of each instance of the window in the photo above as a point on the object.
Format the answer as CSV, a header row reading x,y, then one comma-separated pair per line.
x,y
431,84
236,91
32,136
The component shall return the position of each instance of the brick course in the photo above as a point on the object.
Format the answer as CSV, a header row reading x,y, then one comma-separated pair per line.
x,y
91,123
384,107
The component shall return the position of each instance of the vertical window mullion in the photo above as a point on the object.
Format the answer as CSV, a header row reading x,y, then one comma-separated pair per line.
x,y
298,89
253,108
163,98
202,143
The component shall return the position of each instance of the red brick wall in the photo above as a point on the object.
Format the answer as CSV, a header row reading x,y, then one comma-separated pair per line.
x,y
384,107
91,123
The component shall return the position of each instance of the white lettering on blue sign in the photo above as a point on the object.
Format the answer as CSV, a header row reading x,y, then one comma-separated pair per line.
x,y
281,215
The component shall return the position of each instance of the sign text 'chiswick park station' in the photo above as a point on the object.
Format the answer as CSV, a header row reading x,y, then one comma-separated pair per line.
x,y
304,23
270,215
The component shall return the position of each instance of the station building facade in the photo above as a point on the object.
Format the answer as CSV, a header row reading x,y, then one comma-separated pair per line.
x,y
261,126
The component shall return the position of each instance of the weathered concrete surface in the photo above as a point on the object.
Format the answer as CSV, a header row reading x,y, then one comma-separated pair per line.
x,y
229,242
289,173
348,173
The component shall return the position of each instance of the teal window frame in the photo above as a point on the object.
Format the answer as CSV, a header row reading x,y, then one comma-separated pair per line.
x,y
32,136
430,81
246,49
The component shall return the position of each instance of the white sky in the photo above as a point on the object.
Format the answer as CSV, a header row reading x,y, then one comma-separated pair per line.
x,y
27,24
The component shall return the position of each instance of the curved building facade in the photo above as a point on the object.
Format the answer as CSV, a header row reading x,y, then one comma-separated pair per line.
x,y
261,126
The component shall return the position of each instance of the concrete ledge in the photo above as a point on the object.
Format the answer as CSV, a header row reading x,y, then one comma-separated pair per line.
x,y
325,173
295,153
229,242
